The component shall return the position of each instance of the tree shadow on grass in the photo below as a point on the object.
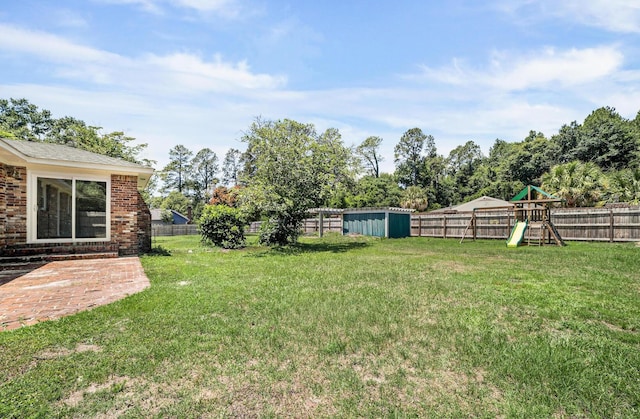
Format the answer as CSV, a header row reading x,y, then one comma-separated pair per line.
x,y
316,247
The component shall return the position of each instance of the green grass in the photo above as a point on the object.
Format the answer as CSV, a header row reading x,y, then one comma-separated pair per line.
x,y
346,327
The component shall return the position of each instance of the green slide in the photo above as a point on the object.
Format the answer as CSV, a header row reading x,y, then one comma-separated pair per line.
x,y
517,234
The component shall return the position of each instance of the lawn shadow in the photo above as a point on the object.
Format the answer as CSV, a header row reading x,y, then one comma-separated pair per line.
x,y
318,247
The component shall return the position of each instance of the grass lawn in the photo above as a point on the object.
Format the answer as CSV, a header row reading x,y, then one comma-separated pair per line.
x,y
346,327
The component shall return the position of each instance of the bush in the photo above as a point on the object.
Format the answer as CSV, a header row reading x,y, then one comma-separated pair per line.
x,y
223,226
281,231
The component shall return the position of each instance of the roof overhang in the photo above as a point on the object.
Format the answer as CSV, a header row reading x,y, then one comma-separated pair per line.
x,y
14,157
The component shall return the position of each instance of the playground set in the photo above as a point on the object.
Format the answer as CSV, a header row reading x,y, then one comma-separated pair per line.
x,y
532,219
531,211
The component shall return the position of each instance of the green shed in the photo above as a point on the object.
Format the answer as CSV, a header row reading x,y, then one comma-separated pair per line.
x,y
378,222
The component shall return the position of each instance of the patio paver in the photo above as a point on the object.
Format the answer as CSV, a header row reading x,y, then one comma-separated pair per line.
x,y
63,288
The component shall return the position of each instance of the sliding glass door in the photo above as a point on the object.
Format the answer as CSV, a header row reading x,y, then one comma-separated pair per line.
x,y
70,208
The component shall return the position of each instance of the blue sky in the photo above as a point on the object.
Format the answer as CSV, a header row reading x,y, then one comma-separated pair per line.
x,y
197,72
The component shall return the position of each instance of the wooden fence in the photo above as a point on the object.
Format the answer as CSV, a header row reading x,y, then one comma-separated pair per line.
x,y
174,230
309,226
573,224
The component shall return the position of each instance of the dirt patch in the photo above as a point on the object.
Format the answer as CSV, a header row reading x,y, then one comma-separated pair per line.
x,y
61,352
126,394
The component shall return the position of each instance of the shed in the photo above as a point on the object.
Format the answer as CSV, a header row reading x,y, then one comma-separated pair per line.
x,y
379,222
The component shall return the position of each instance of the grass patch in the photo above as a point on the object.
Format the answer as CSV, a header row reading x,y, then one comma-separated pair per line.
x,y
345,326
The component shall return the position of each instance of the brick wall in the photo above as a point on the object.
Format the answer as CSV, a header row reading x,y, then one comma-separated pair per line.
x,y
124,213
3,205
144,226
13,205
130,217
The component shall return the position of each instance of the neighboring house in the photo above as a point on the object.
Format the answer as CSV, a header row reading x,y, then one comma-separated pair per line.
x,y
177,218
55,198
482,203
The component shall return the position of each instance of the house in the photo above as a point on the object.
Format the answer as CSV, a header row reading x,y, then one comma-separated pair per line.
x,y
176,217
482,203
60,199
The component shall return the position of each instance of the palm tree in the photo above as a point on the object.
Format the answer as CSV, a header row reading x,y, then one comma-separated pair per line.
x,y
579,184
414,197
624,186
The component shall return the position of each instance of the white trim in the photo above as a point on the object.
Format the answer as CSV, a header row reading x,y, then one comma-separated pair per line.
x,y
32,205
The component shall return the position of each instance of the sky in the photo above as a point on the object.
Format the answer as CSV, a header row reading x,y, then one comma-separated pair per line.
x,y
198,72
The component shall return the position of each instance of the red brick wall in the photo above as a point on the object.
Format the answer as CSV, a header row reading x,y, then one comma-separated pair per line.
x,y
144,226
130,217
3,205
124,213
13,205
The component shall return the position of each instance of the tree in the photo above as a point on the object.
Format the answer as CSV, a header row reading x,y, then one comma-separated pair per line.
x,y
225,196
231,167
177,202
288,176
409,157
414,197
204,167
339,162
23,120
608,140
370,191
461,164
623,186
175,174
370,155
579,184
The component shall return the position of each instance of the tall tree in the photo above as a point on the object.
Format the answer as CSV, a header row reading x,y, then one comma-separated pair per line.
x,y
289,175
608,140
339,163
409,156
231,167
370,191
23,120
176,172
370,155
462,163
204,167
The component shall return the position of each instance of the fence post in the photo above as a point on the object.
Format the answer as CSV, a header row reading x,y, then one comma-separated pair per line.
x,y
444,226
419,226
611,225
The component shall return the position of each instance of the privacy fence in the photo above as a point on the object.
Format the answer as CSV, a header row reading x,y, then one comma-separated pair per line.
x,y
573,224
173,230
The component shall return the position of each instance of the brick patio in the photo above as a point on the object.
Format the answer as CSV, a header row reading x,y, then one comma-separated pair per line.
x,y
63,288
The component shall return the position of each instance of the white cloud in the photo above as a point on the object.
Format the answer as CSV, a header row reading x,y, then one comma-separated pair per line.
x,y
225,8
509,72
612,15
70,19
189,74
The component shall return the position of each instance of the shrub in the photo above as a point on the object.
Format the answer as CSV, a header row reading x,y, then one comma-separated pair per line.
x,y
281,231
223,226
